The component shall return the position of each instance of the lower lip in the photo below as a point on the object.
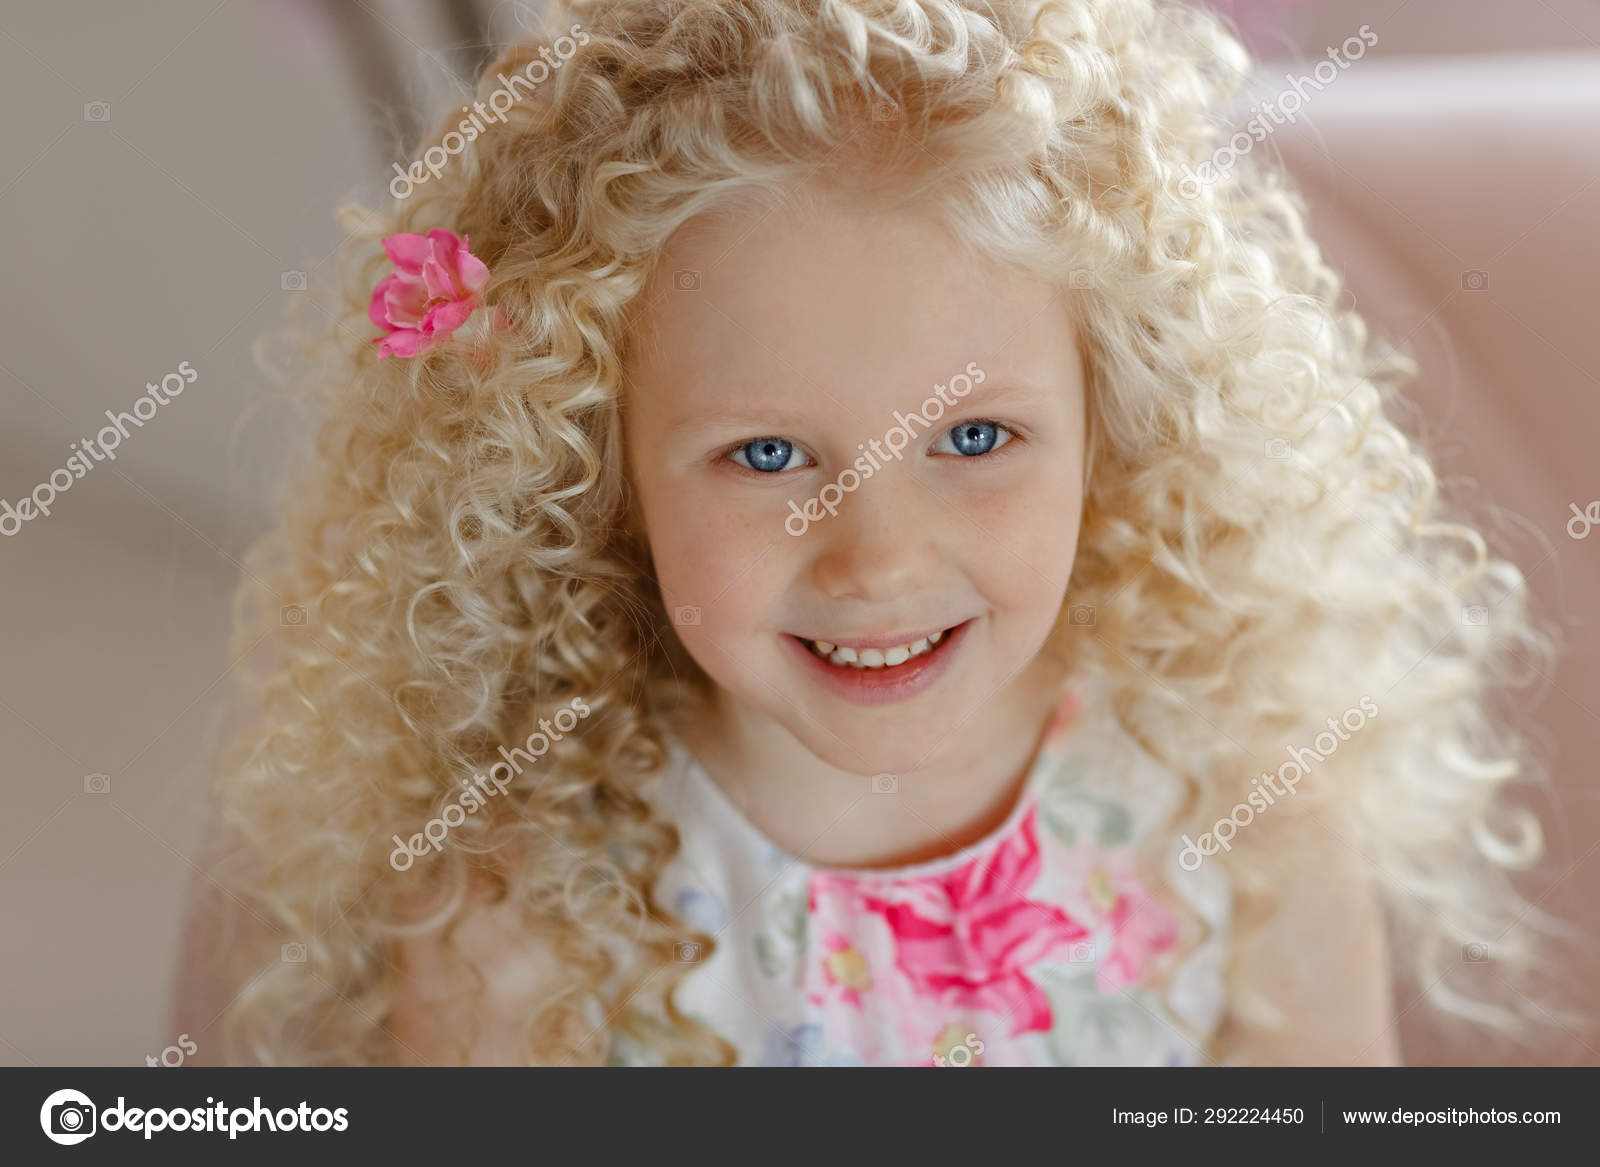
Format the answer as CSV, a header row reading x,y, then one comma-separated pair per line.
x,y
886,685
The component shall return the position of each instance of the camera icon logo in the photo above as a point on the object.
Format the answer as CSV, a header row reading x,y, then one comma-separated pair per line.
x,y
1475,280
293,953
293,281
1474,953
1081,615
292,616
688,614
1278,449
97,111
97,783
1475,614
884,784
883,110
686,280
68,1117
1080,278
688,952
1082,952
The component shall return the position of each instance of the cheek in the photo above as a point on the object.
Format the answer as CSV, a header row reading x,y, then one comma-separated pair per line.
x,y
1029,538
723,567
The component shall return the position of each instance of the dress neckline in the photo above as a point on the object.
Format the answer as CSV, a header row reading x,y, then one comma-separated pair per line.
x,y
1047,754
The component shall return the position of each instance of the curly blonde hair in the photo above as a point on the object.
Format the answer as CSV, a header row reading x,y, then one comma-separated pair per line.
x,y
461,546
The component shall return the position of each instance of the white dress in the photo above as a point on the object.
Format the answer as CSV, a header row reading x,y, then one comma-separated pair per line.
x,y
1038,945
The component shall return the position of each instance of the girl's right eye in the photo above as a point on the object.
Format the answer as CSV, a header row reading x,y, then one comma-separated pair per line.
x,y
767,455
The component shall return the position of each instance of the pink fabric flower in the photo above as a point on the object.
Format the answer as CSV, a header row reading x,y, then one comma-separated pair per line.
x,y
966,940
433,290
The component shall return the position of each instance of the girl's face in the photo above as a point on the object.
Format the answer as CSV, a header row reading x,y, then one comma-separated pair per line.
x,y
841,431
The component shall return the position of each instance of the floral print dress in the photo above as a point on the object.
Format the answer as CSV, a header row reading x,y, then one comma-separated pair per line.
x,y
1037,945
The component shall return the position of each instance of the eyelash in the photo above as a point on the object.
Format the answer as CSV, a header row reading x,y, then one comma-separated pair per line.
x,y
1012,433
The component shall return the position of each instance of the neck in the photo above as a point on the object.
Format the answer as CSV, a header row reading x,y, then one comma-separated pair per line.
x,y
967,786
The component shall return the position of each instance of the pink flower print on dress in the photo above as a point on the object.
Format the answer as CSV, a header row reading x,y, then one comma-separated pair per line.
x,y
846,968
433,290
1141,926
966,940
1142,929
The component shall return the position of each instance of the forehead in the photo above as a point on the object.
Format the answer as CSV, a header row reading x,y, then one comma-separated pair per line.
x,y
828,296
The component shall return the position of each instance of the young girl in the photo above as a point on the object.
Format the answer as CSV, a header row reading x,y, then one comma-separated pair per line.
x,y
827,545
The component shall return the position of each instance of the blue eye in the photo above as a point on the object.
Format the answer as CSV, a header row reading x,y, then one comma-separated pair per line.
x,y
765,455
972,439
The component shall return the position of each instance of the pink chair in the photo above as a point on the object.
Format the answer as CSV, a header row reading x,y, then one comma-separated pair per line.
x,y
1460,197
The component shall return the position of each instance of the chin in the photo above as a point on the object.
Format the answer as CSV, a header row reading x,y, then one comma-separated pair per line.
x,y
888,748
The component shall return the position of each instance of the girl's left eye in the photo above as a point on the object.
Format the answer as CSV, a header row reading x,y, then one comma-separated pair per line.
x,y
767,455
972,439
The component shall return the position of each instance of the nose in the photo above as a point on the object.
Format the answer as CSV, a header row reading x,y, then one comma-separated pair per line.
x,y
882,545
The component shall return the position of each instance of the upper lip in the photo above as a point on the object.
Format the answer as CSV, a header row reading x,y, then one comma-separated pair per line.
x,y
861,642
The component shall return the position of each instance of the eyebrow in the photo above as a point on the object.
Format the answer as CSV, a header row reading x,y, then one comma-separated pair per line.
x,y
773,422
779,421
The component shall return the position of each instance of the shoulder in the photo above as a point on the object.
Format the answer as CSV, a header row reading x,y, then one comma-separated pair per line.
x,y
465,993
1322,957
224,937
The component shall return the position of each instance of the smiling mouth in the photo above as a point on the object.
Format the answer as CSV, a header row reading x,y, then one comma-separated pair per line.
x,y
871,659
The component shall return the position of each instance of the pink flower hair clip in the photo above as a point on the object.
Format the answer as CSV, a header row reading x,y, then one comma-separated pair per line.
x,y
433,290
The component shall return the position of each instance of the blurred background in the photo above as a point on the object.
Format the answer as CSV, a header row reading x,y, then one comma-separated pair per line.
x,y
168,190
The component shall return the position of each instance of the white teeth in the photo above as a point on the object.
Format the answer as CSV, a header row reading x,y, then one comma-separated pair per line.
x,y
875,658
